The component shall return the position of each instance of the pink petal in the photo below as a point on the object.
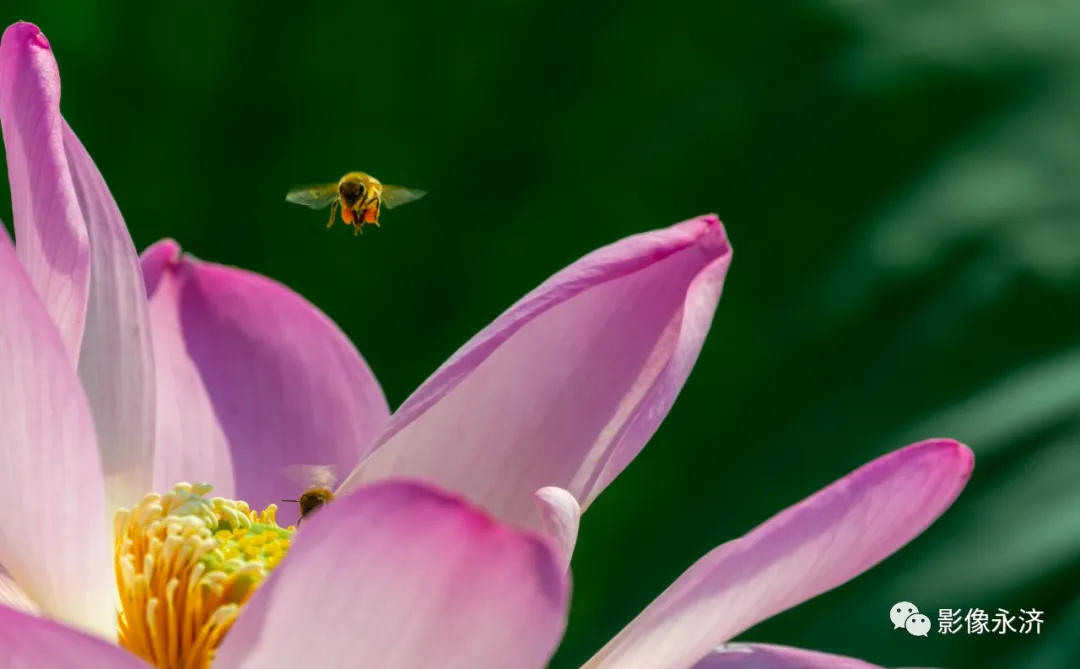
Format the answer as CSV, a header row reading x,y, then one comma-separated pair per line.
x,y
55,544
116,364
252,379
765,656
810,548
400,575
52,237
190,444
13,596
30,642
565,388
560,513
60,202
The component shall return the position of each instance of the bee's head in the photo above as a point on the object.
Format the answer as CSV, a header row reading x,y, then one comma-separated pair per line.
x,y
351,192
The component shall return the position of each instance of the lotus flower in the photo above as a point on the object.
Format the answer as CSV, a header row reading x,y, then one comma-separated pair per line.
x,y
450,543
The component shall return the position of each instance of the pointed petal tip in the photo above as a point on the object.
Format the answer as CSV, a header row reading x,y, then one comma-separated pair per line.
x,y
960,455
22,32
168,254
161,256
965,456
712,235
560,514
706,232
171,245
166,251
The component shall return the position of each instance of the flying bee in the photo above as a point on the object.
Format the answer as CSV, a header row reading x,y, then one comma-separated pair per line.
x,y
320,481
360,196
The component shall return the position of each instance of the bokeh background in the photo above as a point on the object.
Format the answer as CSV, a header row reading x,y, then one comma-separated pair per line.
x,y
900,180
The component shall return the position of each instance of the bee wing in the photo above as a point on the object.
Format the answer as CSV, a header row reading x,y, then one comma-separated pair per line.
x,y
311,476
317,196
395,196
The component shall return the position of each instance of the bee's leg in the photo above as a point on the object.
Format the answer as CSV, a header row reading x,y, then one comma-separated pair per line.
x,y
333,214
357,228
378,211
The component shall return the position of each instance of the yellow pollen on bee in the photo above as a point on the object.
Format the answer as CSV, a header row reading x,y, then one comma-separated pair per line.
x,y
185,565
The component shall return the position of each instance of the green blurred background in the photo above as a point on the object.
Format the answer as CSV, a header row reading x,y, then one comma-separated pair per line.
x,y
899,180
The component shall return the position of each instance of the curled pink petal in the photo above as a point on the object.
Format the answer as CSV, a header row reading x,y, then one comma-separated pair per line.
x,y
252,379
400,575
564,388
814,546
766,656
31,642
52,239
561,514
57,546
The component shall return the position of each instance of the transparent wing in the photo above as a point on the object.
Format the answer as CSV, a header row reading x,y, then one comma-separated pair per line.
x,y
317,196
395,196
311,476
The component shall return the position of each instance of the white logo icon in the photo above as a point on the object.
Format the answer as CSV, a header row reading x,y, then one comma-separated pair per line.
x,y
899,613
917,624
905,615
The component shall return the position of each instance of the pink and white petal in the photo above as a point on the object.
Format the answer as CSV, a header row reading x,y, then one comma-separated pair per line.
x,y
67,224
565,387
116,362
13,596
52,240
58,546
252,380
561,515
401,575
30,642
767,656
810,548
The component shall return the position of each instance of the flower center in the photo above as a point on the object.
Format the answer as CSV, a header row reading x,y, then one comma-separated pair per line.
x,y
185,565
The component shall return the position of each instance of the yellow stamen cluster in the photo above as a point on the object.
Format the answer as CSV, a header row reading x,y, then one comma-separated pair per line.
x,y
185,565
